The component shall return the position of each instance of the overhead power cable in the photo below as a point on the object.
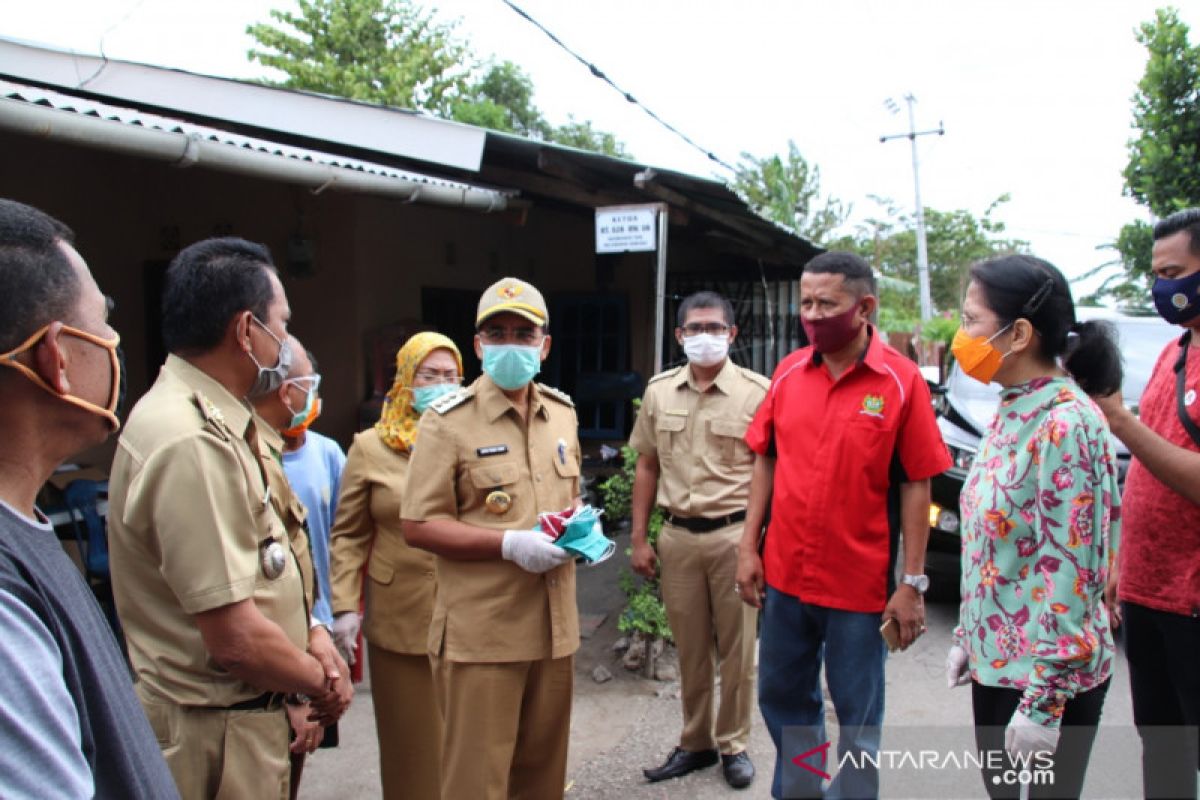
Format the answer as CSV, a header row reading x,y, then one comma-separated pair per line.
x,y
599,73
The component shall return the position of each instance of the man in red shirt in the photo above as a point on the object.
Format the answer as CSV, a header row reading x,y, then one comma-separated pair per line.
x,y
1159,562
845,444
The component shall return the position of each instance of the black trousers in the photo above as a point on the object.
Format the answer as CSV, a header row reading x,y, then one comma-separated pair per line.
x,y
1163,650
994,707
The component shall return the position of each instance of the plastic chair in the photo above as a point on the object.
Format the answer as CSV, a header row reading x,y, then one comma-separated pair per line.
x,y
91,535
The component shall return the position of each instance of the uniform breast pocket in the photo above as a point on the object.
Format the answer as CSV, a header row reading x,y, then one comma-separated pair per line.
x,y
728,440
495,489
567,466
870,441
668,430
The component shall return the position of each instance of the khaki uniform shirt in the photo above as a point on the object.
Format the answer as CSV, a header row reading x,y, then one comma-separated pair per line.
x,y
473,443
366,530
704,464
189,516
287,505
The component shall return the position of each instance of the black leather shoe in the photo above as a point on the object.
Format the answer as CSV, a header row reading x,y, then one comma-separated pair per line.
x,y
681,762
739,771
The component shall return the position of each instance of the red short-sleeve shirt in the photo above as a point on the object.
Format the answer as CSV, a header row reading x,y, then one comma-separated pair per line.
x,y
1160,528
840,446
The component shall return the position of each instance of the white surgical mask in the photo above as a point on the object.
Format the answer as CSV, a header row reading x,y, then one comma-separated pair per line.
x,y
705,350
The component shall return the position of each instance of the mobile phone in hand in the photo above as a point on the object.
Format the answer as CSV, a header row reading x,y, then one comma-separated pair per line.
x,y
890,631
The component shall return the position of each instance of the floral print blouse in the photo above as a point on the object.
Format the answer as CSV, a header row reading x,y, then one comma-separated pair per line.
x,y
1040,524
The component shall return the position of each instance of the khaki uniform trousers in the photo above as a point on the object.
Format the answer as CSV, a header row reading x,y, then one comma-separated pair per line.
x,y
408,724
710,624
507,728
215,754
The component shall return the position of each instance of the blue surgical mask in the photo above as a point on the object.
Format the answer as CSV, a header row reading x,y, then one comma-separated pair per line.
x,y
584,537
1178,300
300,417
511,366
423,396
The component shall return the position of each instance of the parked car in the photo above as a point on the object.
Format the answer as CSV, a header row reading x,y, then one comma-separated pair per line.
x,y
965,408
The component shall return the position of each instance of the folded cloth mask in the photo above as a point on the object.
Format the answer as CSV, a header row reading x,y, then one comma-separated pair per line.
x,y
578,531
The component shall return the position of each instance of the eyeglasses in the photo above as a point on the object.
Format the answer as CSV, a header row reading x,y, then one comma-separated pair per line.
x,y
711,328
527,335
428,376
306,383
968,321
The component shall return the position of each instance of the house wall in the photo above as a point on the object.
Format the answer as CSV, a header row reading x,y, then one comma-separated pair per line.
x,y
371,258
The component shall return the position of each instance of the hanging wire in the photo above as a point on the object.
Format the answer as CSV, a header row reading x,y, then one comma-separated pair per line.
x,y
598,73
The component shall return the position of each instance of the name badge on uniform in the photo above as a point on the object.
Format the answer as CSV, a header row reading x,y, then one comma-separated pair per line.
x,y
272,558
491,450
676,412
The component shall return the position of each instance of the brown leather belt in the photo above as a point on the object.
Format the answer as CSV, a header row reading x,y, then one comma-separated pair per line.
x,y
705,524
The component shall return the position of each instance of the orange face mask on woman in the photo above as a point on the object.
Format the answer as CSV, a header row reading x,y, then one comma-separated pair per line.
x,y
976,355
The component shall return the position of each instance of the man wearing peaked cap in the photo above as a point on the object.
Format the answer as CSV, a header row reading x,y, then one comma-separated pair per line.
x,y
505,627
516,296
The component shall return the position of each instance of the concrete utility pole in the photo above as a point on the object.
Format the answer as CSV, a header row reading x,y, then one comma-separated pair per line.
x,y
922,249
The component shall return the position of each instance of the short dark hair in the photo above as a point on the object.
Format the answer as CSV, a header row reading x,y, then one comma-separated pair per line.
x,y
1186,220
857,275
37,282
705,299
1030,288
207,284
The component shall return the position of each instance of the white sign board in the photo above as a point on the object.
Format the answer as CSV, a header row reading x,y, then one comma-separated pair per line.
x,y
622,229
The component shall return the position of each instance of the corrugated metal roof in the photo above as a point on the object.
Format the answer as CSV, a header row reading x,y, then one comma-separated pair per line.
x,y
133,117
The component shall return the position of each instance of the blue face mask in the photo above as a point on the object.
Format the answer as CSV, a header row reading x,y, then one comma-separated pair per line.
x,y
511,366
584,536
300,417
1178,300
423,396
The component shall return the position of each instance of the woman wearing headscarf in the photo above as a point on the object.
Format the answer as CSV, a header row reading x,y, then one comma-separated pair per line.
x,y
1040,523
400,579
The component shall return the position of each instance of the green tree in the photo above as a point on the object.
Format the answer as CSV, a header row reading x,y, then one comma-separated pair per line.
x,y
584,136
787,190
956,239
391,52
395,53
1163,172
502,99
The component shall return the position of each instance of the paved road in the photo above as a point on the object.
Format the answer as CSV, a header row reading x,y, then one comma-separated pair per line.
x,y
623,725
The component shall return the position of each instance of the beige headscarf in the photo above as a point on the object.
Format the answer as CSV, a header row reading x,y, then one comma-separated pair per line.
x,y
397,425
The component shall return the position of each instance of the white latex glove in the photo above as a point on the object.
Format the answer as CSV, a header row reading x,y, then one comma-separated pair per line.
x,y
1023,737
345,634
957,673
532,551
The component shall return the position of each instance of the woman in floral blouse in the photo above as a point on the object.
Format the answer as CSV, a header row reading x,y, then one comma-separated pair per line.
x,y
1040,520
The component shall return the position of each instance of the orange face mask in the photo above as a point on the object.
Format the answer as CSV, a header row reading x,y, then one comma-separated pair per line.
x,y
313,412
976,355
108,411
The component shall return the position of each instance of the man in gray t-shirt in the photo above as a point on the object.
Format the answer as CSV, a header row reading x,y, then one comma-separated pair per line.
x,y
70,725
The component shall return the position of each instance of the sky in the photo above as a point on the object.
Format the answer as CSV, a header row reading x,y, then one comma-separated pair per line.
x,y
1035,97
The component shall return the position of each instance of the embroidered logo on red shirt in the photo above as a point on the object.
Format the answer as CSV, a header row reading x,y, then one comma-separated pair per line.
x,y
872,405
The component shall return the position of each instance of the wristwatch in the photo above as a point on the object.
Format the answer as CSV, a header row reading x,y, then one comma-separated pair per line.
x,y
918,582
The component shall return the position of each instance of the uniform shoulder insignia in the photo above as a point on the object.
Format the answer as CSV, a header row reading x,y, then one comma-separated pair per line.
x,y
453,400
211,415
753,376
670,373
557,394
